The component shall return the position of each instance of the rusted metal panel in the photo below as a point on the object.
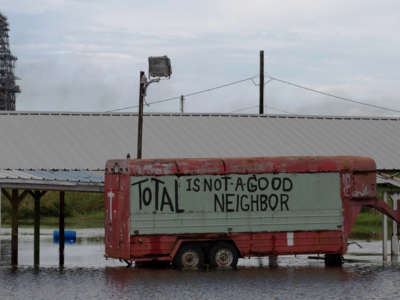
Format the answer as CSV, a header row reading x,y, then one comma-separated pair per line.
x,y
116,204
152,247
347,183
248,165
200,166
291,164
364,185
152,167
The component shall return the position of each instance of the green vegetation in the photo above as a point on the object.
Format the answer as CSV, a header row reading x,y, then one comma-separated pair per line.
x,y
369,226
82,210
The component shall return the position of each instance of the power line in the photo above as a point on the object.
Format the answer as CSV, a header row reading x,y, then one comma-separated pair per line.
x,y
189,94
333,96
220,86
148,103
271,78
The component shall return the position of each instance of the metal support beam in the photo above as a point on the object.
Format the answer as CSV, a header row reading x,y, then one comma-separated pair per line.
x,y
0,205
384,231
61,230
395,238
14,227
36,234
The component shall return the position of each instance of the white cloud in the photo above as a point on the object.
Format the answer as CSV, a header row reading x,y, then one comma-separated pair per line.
x,y
32,6
73,53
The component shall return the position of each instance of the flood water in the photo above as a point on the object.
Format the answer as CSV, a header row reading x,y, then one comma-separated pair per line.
x,y
87,275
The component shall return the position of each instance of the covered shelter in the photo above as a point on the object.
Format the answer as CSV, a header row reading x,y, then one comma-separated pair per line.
x,y
36,183
67,151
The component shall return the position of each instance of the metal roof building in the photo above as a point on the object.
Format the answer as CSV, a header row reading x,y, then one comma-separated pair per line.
x,y
59,140
42,151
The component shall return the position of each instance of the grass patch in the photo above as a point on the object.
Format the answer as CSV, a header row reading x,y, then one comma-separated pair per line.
x,y
82,210
369,226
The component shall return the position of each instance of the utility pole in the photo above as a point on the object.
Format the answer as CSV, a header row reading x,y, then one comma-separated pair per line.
x,y
159,66
261,82
182,103
142,87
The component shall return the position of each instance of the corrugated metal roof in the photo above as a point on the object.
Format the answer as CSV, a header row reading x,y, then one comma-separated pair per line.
x,y
67,180
384,180
17,174
82,176
55,140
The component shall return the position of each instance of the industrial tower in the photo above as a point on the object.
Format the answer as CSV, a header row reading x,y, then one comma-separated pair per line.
x,y
8,88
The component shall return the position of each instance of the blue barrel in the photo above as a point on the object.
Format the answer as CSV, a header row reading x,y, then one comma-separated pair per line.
x,y
69,236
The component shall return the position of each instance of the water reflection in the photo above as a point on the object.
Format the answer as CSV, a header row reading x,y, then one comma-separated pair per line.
x,y
5,252
89,276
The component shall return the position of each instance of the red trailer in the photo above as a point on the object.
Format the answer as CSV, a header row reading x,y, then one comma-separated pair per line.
x,y
213,211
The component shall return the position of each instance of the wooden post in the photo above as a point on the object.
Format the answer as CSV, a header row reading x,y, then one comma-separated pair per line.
x,y
61,230
14,227
15,199
261,82
384,229
36,234
140,115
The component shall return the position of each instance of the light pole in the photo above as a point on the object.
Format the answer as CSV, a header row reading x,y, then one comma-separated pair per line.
x,y
159,66
261,107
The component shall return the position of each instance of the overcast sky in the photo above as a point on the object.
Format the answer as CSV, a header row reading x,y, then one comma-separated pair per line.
x,y
82,55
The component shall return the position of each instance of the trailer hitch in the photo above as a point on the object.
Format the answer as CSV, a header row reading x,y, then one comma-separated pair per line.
x,y
382,207
355,243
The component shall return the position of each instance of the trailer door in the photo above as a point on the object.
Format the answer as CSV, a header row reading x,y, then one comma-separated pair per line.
x,y
117,213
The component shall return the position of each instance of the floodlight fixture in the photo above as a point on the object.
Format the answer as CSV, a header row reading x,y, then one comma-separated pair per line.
x,y
160,66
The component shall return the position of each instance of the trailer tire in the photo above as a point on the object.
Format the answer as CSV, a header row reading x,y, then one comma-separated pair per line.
x,y
223,255
189,257
333,260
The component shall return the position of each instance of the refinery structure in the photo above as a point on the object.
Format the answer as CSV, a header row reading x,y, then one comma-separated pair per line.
x,y
8,88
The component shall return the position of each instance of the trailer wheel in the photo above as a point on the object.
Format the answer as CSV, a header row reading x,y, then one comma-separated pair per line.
x,y
189,257
223,255
333,260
